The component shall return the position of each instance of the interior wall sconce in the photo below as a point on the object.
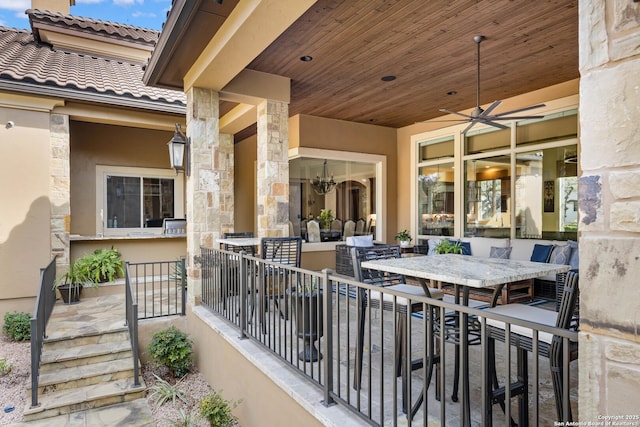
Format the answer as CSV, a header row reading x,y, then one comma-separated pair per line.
x,y
179,150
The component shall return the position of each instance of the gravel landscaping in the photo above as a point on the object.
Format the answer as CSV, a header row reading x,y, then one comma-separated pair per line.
x,y
14,385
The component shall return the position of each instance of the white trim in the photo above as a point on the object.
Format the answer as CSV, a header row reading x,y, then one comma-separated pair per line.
x,y
101,173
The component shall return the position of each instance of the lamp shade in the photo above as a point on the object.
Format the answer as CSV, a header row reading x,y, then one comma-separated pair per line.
x,y
178,150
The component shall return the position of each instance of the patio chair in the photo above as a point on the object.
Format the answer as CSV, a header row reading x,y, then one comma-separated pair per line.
x,y
549,346
233,266
349,229
275,280
313,231
395,282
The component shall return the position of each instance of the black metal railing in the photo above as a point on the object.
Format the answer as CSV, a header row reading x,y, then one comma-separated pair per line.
x,y
131,321
159,287
45,300
317,322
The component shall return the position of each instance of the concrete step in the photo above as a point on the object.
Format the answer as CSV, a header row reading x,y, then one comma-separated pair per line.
x,y
62,402
55,359
73,339
84,375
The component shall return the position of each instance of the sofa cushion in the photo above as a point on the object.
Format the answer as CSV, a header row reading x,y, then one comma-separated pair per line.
x,y
433,244
560,254
481,246
541,253
502,253
574,261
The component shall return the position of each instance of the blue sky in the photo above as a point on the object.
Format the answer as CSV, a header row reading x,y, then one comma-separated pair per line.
x,y
141,13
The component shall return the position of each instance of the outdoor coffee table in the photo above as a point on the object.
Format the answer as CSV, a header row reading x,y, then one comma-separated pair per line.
x,y
466,272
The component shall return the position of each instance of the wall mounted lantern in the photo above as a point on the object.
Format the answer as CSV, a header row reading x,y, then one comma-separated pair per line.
x,y
179,150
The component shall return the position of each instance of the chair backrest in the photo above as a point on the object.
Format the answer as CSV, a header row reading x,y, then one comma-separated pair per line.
x,y
360,224
372,276
283,250
349,229
568,303
336,225
240,234
367,229
421,249
313,231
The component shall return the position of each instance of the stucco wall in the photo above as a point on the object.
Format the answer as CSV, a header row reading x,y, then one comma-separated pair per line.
x,y
24,197
99,144
245,156
135,250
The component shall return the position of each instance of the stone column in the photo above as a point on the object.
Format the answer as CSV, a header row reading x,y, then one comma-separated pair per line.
x,y
60,188
210,184
273,169
609,382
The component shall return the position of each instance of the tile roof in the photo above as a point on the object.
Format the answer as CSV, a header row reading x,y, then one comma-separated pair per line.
x,y
106,28
37,65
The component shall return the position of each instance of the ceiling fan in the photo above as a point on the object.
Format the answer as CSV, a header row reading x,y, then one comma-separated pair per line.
x,y
478,115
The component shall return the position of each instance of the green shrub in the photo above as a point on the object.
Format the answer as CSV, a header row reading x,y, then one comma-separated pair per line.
x,y
5,367
185,419
173,349
17,326
215,409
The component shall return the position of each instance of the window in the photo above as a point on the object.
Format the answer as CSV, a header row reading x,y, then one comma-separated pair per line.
x,y
131,200
487,198
436,199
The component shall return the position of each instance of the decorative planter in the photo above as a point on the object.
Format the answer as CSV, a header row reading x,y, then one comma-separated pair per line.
x,y
404,243
309,321
70,293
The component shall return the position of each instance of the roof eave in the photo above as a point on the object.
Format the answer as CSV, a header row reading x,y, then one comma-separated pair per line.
x,y
173,30
94,97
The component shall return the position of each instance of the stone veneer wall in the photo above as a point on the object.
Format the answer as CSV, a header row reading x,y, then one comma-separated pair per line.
x,y
273,169
609,209
60,188
210,184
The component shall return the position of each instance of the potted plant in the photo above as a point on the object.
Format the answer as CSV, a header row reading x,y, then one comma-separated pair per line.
x,y
325,218
71,283
404,237
105,265
446,246
307,299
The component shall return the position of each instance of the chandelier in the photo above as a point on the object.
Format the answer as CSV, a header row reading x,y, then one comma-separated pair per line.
x,y
325,184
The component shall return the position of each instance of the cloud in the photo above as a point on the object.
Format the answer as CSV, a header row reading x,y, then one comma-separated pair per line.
x,y
143,14
127,3
17,5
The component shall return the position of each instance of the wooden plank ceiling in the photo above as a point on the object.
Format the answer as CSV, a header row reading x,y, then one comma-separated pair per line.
x,y
428,46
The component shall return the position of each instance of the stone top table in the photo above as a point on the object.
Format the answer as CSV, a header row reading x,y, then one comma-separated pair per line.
x,y
240,241
467,272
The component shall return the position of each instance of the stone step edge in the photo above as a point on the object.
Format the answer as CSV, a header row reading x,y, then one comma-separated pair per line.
x,y
73,336
71,374
87,351
102,395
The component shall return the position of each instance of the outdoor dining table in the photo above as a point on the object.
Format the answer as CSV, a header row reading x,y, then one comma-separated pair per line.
x,y
240,241
466,272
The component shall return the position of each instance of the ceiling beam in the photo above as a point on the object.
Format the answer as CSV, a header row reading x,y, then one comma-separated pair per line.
x,y
250,28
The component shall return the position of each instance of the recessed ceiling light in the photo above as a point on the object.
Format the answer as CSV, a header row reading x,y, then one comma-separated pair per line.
x,y
388,78
452,92
373,120
306,58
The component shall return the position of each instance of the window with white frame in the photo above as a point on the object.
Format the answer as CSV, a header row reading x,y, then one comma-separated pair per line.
x,y
131,200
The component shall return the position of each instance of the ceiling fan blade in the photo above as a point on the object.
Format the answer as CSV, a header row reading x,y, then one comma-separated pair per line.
x,y
473,122
514,118
489,109
495,124
445,121
444,110
531,107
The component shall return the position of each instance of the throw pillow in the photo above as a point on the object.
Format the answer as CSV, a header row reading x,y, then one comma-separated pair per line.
x,y
502,253
360,241
541,253
574,261
466,248
560,254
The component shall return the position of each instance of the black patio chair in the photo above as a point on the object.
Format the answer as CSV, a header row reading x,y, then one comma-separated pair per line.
x,y
275,280
549,346
395,282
